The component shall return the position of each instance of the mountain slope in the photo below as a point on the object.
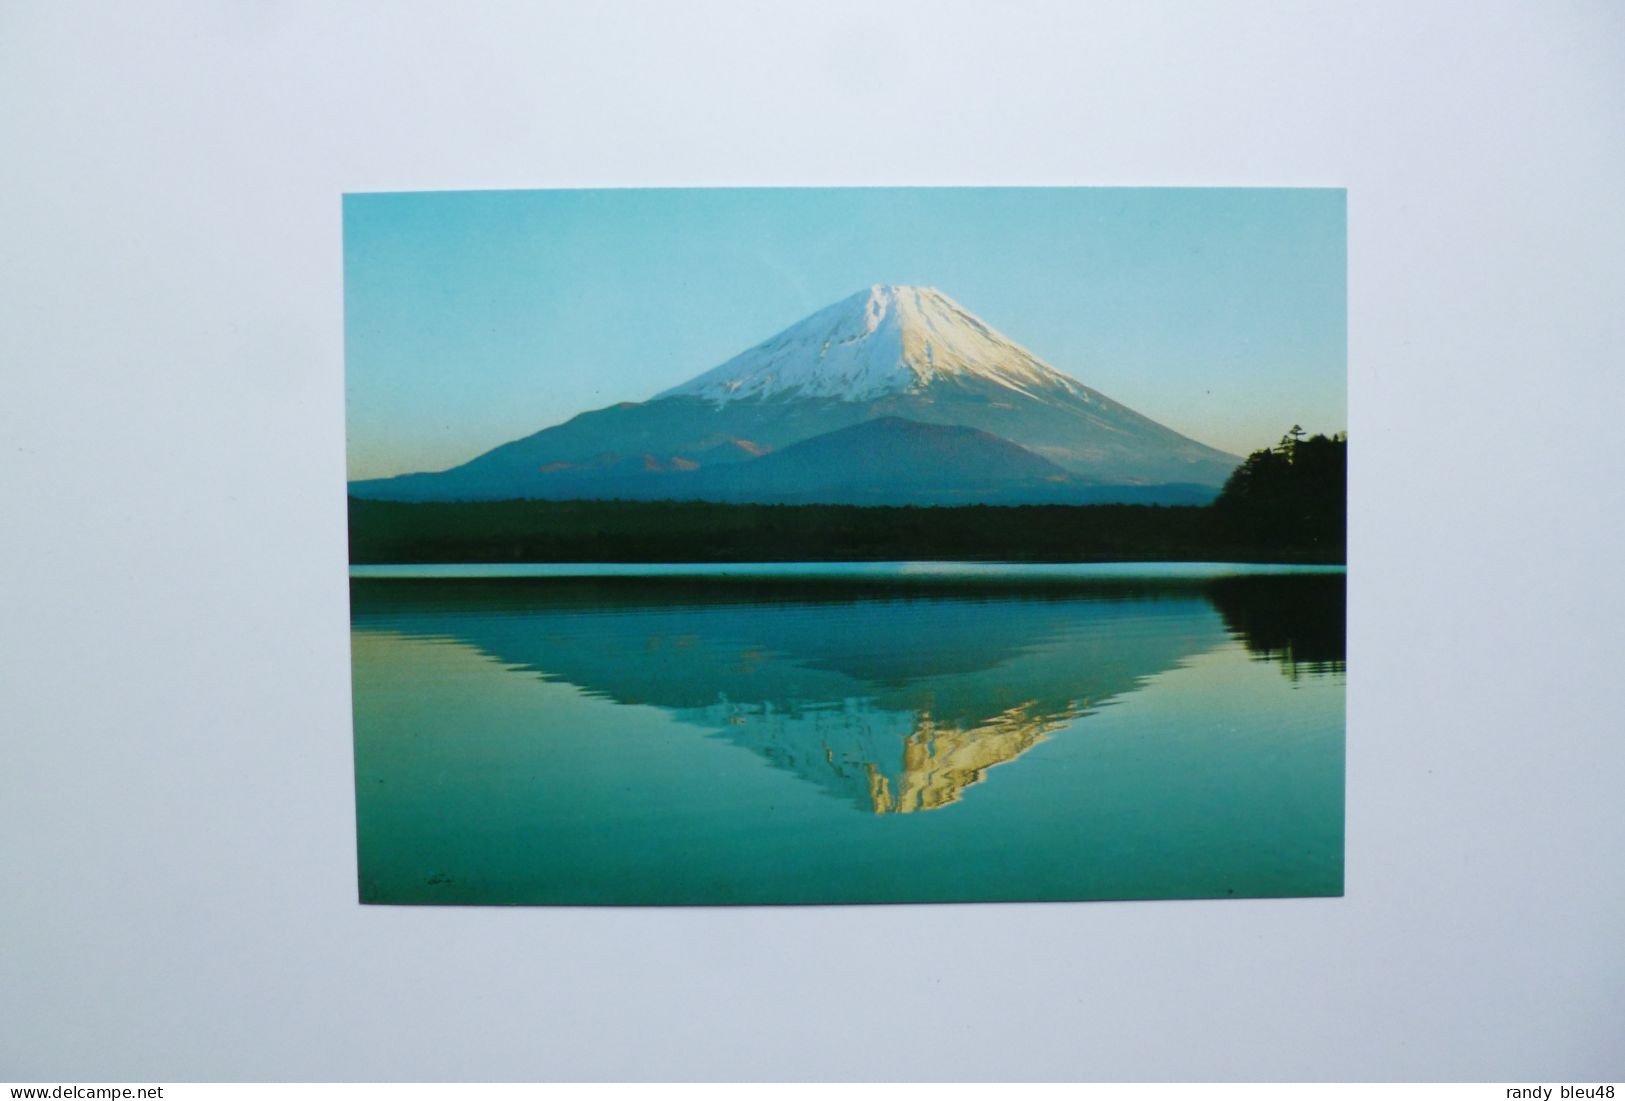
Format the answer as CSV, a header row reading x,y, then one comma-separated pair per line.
x,y
889,461
888,352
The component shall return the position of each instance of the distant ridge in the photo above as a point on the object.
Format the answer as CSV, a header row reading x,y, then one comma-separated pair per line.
x,y
890,460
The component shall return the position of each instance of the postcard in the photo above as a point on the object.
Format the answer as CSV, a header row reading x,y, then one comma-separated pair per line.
x,y
847,545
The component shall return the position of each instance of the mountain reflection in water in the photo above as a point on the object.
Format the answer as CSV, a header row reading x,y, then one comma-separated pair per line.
x,y
892,697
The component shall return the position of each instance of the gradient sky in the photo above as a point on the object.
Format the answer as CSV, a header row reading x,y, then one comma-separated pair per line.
x,y
473,318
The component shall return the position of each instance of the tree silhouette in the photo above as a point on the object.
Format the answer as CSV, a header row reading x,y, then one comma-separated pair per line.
x,y
1292,495
1289,442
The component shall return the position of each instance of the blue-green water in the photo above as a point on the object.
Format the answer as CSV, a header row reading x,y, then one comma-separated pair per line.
x,y
869,733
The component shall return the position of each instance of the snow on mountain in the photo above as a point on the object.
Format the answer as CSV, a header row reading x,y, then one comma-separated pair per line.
x,y
884,340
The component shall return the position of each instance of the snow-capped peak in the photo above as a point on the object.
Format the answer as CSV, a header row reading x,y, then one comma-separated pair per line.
x,y
882,340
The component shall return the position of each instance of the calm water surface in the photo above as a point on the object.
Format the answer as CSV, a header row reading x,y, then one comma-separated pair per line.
x,y
865,733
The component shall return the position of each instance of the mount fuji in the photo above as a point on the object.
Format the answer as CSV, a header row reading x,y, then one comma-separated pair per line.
x,y
894,395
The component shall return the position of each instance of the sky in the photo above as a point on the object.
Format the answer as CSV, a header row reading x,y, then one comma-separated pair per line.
x,y
473,318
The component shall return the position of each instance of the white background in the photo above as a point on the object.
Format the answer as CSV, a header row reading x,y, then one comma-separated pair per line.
x,y
177,876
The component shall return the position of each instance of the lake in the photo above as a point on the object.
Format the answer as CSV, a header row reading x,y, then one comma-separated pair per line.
x,y
874,732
